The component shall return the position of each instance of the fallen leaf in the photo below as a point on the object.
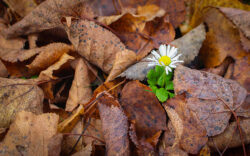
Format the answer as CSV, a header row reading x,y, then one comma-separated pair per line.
x,y
54,145
3,70
175,151
206,94
87,38
48,73
93,134
240,18
230,137
70,140
142,106
86,151
205,151
29,134
48,55
46,16
12,91
190,133
32,38
80,91
21,7
188,45
200,7
114,126
222,40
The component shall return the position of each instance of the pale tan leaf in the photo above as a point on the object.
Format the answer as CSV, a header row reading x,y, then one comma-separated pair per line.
x,y
29,134
80,91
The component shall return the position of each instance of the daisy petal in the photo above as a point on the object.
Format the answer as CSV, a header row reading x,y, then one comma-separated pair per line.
x,y
156,55
163,49
176,57
151,59
172,65
168,50
169,68
166,69
174,52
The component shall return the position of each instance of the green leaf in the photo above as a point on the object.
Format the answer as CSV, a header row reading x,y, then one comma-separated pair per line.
x,y
171,95
162,94
169,85
161,80
154,88
169,77
159,70
151,77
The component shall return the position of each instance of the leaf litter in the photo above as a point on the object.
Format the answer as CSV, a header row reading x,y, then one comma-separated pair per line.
x,y
66,69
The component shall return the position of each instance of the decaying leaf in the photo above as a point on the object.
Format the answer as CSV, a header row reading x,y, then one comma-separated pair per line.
x,y
54,145
87,37
22,7
29,134
46,16
200,7
209,96
142,106
93,134
69,140
222,40
3,70
190,133
114,126
48,73
86,151
188,45
231,136
80,91
17,95
48,55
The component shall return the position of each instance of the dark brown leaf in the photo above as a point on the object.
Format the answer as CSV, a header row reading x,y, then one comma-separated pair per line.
x,y
114,126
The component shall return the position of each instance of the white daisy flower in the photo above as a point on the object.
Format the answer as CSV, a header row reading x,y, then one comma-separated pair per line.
x,y
168,58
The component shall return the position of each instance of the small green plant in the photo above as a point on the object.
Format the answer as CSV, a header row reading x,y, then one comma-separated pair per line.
x,y
161,83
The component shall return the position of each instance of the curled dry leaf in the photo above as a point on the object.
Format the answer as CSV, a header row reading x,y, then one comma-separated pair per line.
x,y
88,39
190,133
48,55
47,15
209,96
48,73
142,106
29,134
231,137
17,95
114,125
21,7
200,6
222,40
80,91
188,45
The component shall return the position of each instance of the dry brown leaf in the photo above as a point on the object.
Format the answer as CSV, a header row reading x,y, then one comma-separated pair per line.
x,y
80,91
88,39
222,40
48,15
200,7
93,134
48,73
86,151
21,7
32,38
3,70
29,134
48,55
114,126
190,133
54,145
230,137
70,140
174,151
143,107
209,96
17,95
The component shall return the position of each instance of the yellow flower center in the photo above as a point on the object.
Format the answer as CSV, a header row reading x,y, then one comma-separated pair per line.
x,y
165,59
